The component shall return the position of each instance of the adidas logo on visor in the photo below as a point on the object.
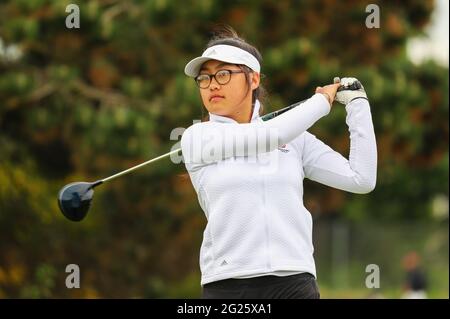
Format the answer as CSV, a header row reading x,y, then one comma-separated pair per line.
x,y
213,52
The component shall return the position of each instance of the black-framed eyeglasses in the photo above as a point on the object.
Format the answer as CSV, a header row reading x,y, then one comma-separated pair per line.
x,y
222,77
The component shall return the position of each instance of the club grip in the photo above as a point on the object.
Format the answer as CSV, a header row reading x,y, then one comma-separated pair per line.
x,y
281,111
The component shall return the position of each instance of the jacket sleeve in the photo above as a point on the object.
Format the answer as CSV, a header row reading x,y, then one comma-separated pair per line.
x,y
209,142
357,174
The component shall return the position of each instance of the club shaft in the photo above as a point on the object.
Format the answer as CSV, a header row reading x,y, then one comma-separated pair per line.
x,y
140,165
281,111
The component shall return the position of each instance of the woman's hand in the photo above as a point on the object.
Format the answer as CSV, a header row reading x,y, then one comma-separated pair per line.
x,y
329,91
345,96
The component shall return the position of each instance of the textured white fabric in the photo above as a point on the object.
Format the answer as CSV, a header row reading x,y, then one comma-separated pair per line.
x,y
253,200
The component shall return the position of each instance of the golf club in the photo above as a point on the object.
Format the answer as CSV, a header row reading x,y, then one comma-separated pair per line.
x,y
74,199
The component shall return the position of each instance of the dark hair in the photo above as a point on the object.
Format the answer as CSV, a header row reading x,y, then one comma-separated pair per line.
x,y
224,34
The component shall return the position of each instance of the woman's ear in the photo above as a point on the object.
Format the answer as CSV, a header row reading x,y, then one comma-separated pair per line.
x,y
255,80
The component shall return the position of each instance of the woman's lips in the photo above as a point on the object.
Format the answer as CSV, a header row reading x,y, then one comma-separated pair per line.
x,y
216,98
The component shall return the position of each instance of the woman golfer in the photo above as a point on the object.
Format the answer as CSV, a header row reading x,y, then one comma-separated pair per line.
x,y
248,174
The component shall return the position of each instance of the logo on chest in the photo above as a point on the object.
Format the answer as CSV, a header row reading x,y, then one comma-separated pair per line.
x,y
283,148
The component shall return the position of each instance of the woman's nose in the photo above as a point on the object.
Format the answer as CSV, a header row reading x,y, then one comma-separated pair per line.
x,y
214,85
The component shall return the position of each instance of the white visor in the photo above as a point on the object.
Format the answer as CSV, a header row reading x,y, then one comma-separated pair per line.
x,y
224,53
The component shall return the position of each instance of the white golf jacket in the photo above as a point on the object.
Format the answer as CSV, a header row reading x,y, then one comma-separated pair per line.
x,y
249,182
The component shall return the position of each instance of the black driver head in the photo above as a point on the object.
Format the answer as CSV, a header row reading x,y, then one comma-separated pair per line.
x,y
75,199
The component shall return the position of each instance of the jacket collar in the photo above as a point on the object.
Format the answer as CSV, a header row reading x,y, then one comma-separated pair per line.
x,y
223,119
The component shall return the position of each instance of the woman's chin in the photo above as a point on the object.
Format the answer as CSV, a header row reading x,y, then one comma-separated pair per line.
x,y
217,109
